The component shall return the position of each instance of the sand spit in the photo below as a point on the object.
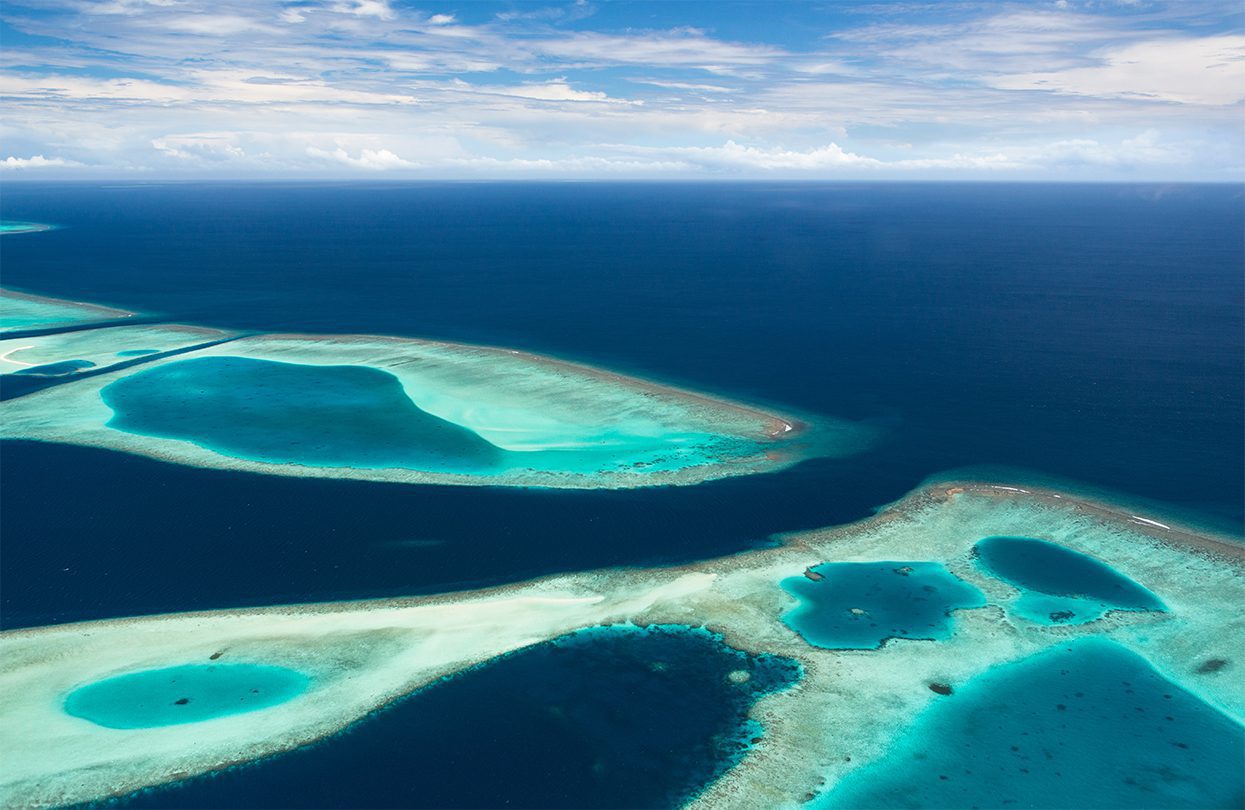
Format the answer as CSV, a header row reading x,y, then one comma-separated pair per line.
x,y
102,348
850,706
560,424
20,312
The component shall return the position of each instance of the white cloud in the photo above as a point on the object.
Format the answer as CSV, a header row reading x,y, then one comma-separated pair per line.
x,y
199,147
736,155
699,88
341,86
553,90
1204,70
368,159
35,162
670,48
379,9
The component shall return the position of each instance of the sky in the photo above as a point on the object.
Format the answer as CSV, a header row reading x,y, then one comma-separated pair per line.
x,y
1080,90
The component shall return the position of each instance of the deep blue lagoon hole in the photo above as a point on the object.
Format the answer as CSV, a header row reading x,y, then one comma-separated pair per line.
x,y
1059,585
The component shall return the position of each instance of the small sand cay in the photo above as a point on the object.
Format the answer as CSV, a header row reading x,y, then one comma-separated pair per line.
x,y
395,409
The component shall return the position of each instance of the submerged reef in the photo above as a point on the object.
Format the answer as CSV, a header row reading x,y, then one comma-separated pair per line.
x,y
850,709
850,606
1059,585
413,411
1085,724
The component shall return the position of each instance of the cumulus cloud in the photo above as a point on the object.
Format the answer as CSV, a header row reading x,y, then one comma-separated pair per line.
x,y
374,160
36,162
380,9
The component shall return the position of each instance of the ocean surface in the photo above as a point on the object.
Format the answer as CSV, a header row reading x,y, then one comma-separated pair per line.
x,y
1089,332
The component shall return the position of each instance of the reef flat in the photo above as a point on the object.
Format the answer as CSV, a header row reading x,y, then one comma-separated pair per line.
x,y
20,312
851,708
396,409
97,349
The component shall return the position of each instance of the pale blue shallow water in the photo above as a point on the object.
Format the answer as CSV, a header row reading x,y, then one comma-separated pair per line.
x,y
190,693
1059,585
861,605
1087,724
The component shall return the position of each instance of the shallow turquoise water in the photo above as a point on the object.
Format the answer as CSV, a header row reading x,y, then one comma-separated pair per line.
x,y
1058,585
184,694
56,369
1088,724
136,352
9,226
328,416
860,605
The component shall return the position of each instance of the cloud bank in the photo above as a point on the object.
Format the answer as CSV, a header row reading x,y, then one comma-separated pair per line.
x,y
341,88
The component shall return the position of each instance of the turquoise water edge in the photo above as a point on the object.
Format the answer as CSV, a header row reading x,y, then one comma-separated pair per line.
x,y
191,693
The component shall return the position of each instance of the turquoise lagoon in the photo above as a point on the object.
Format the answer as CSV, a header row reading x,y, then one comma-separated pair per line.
x,y
262,410
1058,585
136,352
858,606
362,417
190,693
1088,724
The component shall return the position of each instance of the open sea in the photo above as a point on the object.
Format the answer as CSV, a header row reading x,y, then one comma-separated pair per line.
x,y
1091,333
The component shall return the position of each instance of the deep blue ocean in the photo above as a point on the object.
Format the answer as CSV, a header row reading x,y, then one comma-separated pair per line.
x,y
1094,333
1090,332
